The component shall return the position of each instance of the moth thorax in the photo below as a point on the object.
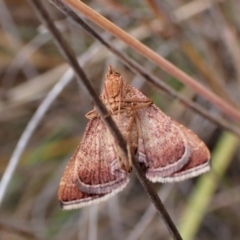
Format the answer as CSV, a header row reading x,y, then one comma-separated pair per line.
x,y
113,87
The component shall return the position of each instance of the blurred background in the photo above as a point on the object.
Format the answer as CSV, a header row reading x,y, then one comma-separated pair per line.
x,y
200,37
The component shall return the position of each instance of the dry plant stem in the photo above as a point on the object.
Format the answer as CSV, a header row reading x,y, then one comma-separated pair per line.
x,y
57,89
144,73
46,20
154,57
194,56
211,78
229,38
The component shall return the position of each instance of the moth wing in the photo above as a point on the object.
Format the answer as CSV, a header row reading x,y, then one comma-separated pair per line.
x,y
199,161
92,174
165,147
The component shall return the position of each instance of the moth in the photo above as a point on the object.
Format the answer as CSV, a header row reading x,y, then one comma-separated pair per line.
x,y
167,151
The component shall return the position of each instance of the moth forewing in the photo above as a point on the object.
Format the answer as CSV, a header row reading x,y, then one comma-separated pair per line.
x,y
165,147
199,161
92,172
172,152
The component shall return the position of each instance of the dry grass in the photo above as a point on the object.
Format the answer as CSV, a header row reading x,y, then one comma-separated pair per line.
x,y
200,38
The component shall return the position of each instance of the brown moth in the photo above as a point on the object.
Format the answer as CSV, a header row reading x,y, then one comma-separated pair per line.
x,y
168,151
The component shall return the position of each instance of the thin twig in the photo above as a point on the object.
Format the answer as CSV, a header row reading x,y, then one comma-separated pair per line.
x,y
69,55
154,57
137,68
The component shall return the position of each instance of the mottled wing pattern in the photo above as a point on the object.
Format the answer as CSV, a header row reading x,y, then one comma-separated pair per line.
x,y
92,174
167,148
162,146
199,161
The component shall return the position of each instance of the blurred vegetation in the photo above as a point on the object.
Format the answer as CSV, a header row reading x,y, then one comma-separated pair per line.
x,y
200,37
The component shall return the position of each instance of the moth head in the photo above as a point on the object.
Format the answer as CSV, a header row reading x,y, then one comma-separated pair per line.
x,y
113,83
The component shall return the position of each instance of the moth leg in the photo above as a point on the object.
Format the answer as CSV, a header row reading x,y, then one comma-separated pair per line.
x,y
121,160
118,158
138,104
116,171
128,140
125,109
115,152
92,114
141,153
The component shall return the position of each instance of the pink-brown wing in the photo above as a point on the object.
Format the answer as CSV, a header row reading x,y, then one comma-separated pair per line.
x,y
92,175
168,149
199,161
162,146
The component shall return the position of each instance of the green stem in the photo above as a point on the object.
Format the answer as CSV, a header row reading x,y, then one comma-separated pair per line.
x,y
206,186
